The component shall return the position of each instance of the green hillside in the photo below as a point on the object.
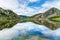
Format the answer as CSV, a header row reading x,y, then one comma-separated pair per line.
x,y
50,18
8,18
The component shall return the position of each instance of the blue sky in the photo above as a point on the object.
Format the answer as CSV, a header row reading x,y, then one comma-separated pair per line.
x,y
29,7
36,4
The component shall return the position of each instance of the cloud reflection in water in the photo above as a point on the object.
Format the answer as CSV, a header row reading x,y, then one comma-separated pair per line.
x,y
29,28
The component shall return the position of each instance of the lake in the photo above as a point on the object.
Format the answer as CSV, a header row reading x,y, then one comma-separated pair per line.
x,y
29,31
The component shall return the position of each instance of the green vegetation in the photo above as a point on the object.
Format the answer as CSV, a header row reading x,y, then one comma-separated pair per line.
x,y
7,23
29,19
55,19
8,18
50,18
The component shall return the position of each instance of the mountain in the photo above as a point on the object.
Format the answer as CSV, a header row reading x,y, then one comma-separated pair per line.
x,y
8,18
52,11
50,18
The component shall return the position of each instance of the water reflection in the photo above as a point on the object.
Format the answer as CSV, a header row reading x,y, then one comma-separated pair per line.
x,y
29,31
50,24
26,31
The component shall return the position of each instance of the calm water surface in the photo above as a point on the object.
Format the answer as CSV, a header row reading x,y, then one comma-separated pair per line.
x,y
29,31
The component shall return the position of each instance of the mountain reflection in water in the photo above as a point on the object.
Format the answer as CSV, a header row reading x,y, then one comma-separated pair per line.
x,y
50,24
29,31
25,30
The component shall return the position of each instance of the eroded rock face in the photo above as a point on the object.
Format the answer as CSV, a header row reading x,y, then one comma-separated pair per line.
x,y
8,18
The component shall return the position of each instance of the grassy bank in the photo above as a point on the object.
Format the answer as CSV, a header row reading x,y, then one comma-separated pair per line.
x,y
55,19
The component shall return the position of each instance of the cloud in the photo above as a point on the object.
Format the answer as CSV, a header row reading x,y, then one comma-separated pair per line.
x,y
33,0
26,11
47,5
57,32
8,34
20,29
11,4
18,6
50,4
21,7
32,28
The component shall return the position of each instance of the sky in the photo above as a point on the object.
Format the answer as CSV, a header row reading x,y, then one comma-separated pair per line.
x,y
29,7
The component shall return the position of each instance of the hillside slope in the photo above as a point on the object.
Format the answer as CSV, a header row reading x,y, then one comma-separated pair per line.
x,y
7,18
50,18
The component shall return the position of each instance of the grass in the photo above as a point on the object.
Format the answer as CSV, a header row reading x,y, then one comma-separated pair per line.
x,y
55,19
7,23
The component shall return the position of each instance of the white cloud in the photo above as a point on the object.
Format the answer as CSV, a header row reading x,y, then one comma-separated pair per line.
x,y
49,4
9,4
8,34
21,7
21,29
55,3
26,11
33,0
